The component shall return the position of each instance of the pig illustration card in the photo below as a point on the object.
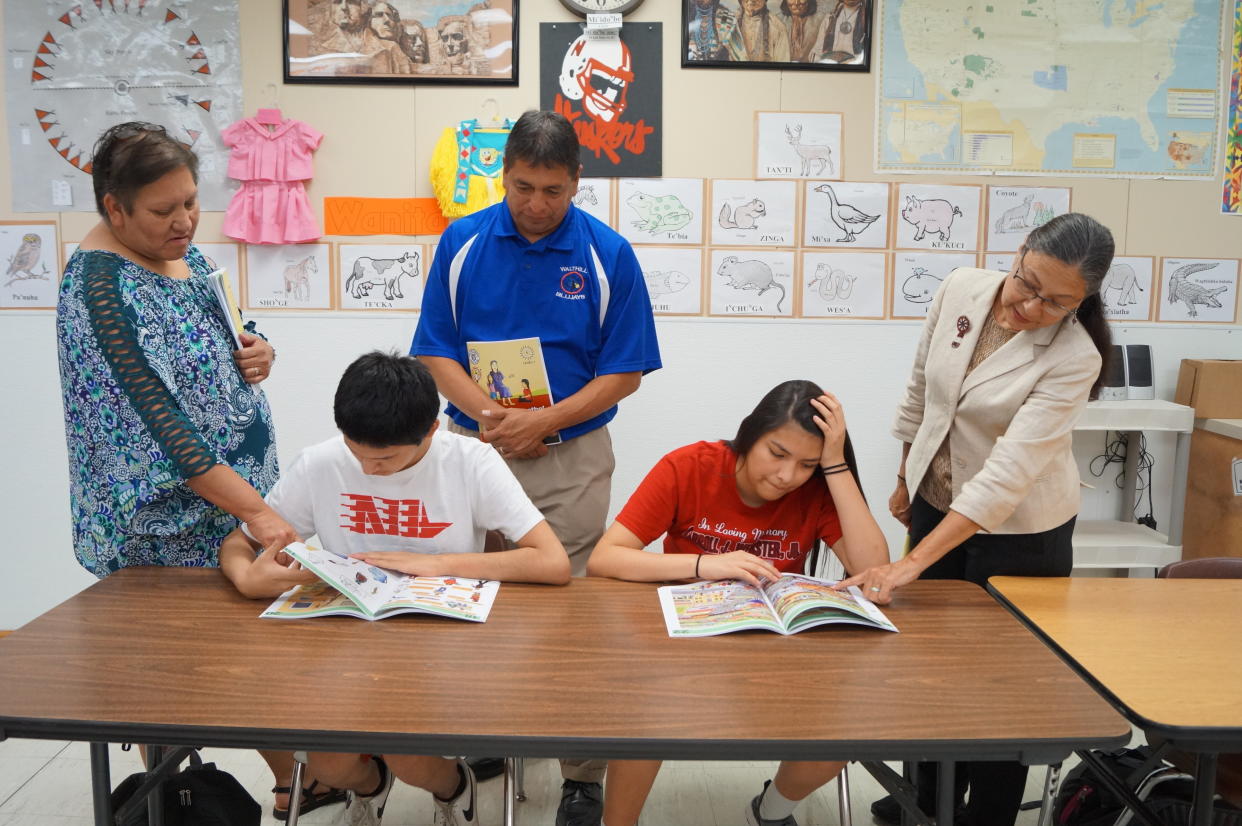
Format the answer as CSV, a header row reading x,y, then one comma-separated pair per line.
x,y
753,213
383,277
937,217
1013,211
1127,290
843,284
660,210
798,145
674,278
918,275
1198,289
288,277
755,282
594,196
850,215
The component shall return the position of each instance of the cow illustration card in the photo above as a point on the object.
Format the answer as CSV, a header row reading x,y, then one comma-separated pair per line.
x,y
843,284
1127,290
918,275
660,210
798,145
753,213
381,276
756,282
674,277
594,196
1198,289
1013,211
288,277
937,217
850,215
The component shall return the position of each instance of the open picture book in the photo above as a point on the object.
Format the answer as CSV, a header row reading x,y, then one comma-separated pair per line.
x,y
355,589
787,605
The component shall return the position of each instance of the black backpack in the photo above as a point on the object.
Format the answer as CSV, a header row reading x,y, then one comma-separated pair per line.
x,y
198,795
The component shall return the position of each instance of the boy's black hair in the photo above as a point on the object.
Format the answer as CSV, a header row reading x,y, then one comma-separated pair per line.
x,y
386,399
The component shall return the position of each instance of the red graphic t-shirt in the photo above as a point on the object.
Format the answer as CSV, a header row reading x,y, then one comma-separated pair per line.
x,y
691,497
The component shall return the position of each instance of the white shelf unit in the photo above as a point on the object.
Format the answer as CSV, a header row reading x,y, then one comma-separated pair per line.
x,y
1124,544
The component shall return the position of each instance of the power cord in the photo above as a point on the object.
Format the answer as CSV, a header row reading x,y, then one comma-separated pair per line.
x,y
1115,450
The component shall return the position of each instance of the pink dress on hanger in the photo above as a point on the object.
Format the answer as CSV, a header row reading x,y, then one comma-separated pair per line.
x,y
271,206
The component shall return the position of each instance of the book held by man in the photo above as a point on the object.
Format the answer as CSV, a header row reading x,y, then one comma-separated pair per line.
x,y
513,374
786,605
353,588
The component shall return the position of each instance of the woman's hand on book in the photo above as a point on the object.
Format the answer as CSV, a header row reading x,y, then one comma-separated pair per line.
x,y
254,360
877,584
736,565
404,562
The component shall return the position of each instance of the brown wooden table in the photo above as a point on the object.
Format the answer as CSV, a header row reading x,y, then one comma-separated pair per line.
x,y
1166,652
176,656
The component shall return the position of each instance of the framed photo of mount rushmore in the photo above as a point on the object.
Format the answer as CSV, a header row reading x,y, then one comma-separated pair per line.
x,y
469,42
833,35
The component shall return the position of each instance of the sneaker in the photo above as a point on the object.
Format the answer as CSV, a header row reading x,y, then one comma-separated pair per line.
x,y
582,804
461,810
752,813
368,811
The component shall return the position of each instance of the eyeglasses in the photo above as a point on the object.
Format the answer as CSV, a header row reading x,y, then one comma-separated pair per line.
x,y
1028,291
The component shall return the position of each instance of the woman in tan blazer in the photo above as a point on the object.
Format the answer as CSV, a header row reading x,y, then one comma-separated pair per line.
x,y
987,484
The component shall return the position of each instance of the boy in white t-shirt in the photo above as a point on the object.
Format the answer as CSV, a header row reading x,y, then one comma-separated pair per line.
x,y
394,492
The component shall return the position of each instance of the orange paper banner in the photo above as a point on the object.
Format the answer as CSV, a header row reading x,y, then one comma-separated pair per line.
x,y
382,216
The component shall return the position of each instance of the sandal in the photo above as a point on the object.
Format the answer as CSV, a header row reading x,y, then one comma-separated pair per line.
x,y
311,799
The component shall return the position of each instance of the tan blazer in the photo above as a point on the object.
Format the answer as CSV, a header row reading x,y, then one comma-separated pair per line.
x,y
1009,422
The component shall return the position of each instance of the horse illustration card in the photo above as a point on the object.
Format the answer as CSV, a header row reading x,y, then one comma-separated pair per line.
x,y
1013,211
660,210
1198,289
594,196
32,273
1127,289
756,282
845,214
843,284
937,217
753,213
288,277
798,145
381,276
918,275
674,277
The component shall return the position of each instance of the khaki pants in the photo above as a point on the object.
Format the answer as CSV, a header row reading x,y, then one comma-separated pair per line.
x,y
571,486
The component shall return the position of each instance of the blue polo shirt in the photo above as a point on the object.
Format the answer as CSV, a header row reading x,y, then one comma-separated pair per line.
x,y
579,290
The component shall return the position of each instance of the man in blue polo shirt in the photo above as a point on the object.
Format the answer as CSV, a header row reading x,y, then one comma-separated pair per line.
x,y
535,265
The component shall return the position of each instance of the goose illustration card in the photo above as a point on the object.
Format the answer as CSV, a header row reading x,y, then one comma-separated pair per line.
x,y
1013,211
937,217
1127,290
755,282
843,284
1198,290
753,213
288,277
798,145
674,278
845,214
918,275
32,273
594,196
660,210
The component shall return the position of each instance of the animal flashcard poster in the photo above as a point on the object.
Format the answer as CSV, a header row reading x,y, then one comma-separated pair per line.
x,y
594,196
918,275
843,284
224,255
674,277
381,276
288,277
31,275
798,145
1013,211
937,217
660,210
999,261
845,214
753,213
1127,289
1198,289
752,282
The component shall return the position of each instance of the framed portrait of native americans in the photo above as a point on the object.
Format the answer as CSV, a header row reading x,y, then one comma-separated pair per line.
x,y
777,34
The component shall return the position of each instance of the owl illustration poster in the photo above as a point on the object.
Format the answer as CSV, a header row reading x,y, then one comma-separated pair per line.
x,y
31,276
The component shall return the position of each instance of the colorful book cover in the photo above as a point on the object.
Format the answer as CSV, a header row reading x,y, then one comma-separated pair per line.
x,y
513,374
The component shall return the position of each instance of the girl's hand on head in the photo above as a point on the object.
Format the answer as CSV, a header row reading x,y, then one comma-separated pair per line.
x,y
736,565
830,419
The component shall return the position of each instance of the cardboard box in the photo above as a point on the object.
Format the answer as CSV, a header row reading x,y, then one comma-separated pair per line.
x,y
1213,387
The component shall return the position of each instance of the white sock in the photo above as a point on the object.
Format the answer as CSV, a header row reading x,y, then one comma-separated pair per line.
x,y
775,806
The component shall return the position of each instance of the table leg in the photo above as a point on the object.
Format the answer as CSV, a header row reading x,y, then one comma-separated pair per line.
x,y
945,801
510,792
155,800
295,788
1119,788
1205,789
101,784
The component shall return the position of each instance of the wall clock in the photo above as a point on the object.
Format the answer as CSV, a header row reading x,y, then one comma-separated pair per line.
x,y
583,7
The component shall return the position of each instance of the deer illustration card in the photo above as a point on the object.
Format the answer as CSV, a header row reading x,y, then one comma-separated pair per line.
x,y
32,273
1198,289
756,282
674,278
798,145
753,213
1127,290
594,196
937,217
660,210
1013,211
384,277
288,277
850,215
918,275
843,284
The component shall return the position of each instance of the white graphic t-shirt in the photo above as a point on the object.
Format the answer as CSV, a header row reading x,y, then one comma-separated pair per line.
x,y
444,504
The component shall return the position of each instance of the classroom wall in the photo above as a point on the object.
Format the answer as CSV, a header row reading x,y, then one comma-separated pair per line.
x,y
377,143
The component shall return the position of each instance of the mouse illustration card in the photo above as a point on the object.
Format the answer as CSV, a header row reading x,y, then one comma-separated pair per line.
x,y
674,278
846,214
753,213
918,275
660,210
843,284
754,282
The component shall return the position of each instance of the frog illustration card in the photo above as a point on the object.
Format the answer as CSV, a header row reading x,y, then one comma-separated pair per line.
x,y
1198,290
843,284
28,251
798,145
674,277
755,282
1127,290
846,214
918,275
594,196
754,213
937,217
1013,211
381,277
660,210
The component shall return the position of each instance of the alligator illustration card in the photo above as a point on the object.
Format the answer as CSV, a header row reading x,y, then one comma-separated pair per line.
x,y
937,217
1013,211
660,210
918,275
1199,290
594,196
843,284
753,213
756,282
850,215
1127,290
288,277
798,145
385,277
674,277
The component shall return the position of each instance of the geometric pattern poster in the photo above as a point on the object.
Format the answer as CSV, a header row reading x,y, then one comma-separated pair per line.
x,y
1232,203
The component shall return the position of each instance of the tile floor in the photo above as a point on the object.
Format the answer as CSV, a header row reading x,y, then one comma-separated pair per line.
x,y
47,783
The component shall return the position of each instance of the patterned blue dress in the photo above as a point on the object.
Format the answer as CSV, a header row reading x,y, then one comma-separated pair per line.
x,y
152,398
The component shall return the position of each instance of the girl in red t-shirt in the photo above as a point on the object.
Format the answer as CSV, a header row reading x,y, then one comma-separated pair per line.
x,y
744,509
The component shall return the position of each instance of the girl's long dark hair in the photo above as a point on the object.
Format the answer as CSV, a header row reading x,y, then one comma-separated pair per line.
x,y
788,401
